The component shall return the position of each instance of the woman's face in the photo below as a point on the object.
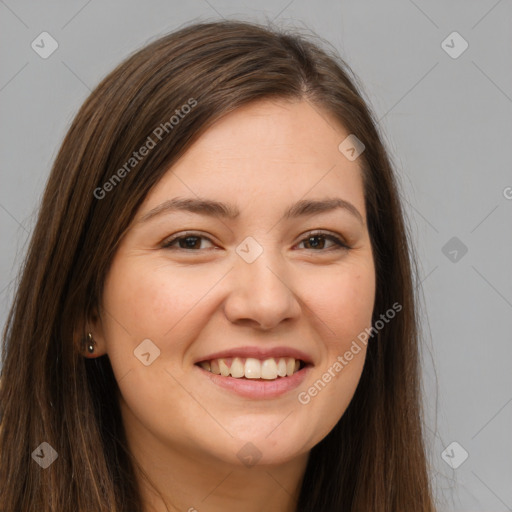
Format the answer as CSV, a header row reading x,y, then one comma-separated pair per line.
x,y
249,294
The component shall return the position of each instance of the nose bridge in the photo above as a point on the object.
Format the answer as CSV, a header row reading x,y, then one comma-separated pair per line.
x,y
260,264
260,290
259,255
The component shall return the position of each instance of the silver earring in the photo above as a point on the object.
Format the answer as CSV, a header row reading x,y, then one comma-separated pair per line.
x,y
90,343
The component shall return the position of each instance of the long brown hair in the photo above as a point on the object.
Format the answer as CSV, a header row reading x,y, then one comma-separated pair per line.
x,y
374,458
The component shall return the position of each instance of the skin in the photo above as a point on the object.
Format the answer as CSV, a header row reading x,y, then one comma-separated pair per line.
x,y
184,430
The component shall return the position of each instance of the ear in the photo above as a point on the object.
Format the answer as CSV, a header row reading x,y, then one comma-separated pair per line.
x,y
94,326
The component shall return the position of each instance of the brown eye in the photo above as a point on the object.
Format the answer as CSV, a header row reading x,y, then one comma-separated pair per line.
x,y
316,242
185,242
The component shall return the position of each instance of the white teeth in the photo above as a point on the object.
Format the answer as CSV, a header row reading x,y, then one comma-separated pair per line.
x,y
237,368
290,366
252,368
269,369
223,367
281,367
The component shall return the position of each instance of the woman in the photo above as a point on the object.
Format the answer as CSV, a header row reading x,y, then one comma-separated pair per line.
x,y
274,368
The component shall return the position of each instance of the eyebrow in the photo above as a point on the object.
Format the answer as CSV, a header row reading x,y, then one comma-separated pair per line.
x,y
211,208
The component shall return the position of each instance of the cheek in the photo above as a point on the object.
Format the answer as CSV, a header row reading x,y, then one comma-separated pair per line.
x,y
343,302
357,297
149,301
351,320
145,301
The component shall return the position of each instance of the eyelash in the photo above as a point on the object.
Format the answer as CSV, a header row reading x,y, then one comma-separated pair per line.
x,y
167,244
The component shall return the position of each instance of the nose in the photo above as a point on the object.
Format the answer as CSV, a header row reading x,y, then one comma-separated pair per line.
x,y
261,293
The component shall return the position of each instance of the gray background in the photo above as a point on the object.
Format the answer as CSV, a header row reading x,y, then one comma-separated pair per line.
x,y
448,124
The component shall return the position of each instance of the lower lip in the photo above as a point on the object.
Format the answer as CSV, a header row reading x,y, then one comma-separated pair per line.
x,y
258,389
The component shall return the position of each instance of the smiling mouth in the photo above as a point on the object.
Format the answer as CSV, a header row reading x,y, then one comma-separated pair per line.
x,y
271,368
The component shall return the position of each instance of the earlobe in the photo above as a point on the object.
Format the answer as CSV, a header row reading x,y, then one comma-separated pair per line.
x,y
91,343
89,348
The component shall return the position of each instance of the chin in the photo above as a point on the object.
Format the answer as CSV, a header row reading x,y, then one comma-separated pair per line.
x,y
270,447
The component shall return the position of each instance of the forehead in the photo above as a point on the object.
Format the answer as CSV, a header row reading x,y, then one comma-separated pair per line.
x,y
277,150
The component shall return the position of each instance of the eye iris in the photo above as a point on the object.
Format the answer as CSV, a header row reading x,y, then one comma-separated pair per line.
x,y
188,244
315,237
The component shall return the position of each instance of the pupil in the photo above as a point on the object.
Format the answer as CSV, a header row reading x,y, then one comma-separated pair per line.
x,y
314,238
190,241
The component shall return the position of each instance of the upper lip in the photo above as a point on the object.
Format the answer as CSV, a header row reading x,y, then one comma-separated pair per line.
x,y
258,353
